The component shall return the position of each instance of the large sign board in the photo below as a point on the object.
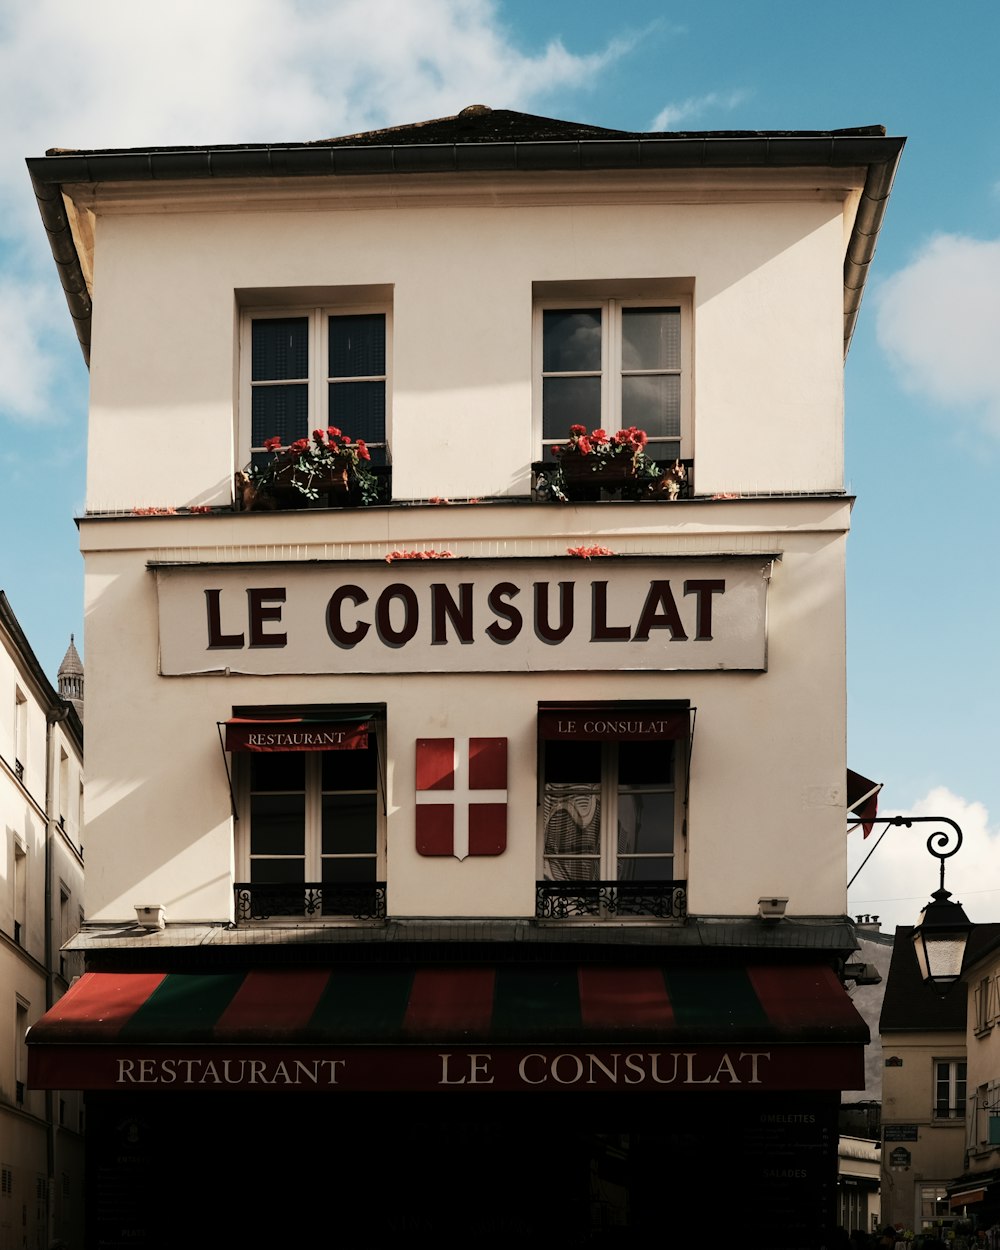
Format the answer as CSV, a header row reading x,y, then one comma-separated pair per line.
x,y
464,616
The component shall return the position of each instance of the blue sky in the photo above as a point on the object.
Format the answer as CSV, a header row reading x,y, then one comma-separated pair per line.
x,y
923,376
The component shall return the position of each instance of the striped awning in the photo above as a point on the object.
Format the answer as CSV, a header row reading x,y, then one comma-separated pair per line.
x,y
390,1027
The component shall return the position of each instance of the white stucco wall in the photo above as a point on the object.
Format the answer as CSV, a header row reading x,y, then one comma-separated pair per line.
x,y
760,262
764,277
767,766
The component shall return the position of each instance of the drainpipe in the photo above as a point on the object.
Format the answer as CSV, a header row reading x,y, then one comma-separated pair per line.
x,y
53,717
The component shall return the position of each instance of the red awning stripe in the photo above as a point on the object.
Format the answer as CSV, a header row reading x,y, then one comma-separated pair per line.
x,y
99,1003
613,997
272,1002
443,1000
803,999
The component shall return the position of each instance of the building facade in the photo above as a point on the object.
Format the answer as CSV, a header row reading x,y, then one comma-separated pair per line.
x,y
924,1092
41,791
497,803
974,1191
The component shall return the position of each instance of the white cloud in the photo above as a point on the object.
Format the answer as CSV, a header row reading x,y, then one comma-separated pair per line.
x,y
123,73
901,875
937,320
672,115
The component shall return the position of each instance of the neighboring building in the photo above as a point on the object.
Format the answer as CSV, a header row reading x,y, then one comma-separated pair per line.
x,y
975,1191
858,1184
861,1110
41,907
924,1092
529,868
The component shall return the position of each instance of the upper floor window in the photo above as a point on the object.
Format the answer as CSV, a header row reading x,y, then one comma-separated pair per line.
x,y
612,796
611,364
312,369
311,833
949,1089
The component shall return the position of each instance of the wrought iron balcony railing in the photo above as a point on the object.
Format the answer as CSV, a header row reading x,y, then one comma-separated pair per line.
x,y
309,900
565,900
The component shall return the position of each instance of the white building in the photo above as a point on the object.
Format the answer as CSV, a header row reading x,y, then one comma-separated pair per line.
x,y
41,907
581,833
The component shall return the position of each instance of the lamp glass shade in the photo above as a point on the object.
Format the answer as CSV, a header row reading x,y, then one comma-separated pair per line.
x,y
939,939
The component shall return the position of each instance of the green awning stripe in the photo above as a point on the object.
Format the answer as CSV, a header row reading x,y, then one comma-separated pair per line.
x,y
534,1002
361,1004
183,1007
718,1002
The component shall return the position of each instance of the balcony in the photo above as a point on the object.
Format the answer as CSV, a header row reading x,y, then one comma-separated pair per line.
x,y
611,900
310,900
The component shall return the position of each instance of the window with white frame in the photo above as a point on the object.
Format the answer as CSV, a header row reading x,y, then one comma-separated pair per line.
x,y
20,732
611,364
985,996
309,369
949,1089
933,1204
312,831
612,808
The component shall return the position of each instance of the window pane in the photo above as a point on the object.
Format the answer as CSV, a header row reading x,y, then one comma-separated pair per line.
x,y
571,340
278,872
572,870
357,346
572,816
645,763
653,404
351,770
570,401
358,408
573,761
651,338
343,871
652,869
645,823
277,824
281,411
279,348
280,770
349,824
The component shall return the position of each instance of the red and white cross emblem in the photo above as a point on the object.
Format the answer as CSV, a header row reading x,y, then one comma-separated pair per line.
x,y
461,796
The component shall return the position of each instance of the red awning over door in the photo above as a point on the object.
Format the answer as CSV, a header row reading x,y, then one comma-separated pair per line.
x,y
649,1028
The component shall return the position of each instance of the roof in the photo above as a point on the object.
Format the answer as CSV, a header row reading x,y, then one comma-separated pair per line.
x,y
910,1005
72,665
477,140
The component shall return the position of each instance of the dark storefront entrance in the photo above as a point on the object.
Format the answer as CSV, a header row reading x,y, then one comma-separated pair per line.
x,y
456,1170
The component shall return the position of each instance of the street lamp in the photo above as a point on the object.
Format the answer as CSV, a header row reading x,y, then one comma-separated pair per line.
x,y
943,928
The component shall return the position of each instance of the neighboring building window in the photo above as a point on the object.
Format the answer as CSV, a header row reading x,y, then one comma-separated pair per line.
x,y
314,369
20,890
610,364
612,810
949,1089
985,1004
312,832
933,1200
20,732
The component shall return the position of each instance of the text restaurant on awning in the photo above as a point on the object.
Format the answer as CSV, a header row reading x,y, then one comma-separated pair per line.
x,y
486,1028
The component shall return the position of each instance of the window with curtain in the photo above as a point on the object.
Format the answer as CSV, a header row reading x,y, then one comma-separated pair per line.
x,y
609,810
